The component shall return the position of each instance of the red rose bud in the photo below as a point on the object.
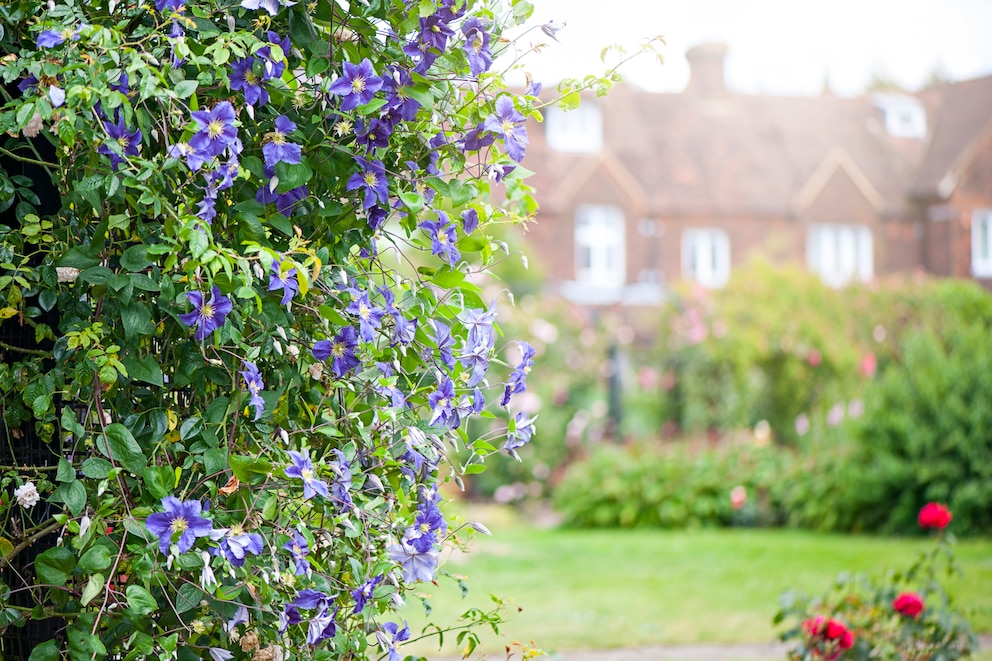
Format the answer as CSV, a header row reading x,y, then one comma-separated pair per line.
x,y
935,515
909,604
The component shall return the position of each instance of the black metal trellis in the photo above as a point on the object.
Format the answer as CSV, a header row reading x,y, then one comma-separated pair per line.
x,y
21,445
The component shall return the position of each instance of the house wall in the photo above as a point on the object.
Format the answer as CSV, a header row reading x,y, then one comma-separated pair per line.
x,y
974,191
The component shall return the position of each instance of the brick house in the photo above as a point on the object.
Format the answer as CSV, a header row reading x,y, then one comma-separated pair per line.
x,y
638,189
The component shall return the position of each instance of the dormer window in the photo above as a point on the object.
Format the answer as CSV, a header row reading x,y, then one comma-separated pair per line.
x,y
575,131
904,115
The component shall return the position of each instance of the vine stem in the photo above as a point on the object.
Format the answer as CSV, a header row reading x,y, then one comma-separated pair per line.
x,y
34,352
55,525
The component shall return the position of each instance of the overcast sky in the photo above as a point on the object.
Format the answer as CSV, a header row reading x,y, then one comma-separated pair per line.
x,y
776,46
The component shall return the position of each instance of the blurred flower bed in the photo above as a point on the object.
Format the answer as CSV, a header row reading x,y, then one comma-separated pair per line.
x,y
774,401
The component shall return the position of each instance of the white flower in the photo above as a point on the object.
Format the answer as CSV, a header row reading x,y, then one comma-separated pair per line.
x,y
27,495
218,654
207,578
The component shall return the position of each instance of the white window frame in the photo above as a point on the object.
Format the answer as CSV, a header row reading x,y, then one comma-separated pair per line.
x,y
981,243
577,131
600,246
840,253
706,256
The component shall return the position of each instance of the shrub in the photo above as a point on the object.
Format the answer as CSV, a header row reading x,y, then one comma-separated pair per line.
x,y
925,435
897,615
673,486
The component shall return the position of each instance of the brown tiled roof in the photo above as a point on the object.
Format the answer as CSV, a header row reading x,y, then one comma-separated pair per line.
x,y
962,115
733,154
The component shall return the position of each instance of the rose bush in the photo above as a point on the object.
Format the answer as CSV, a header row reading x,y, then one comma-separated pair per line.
x,y
900,615
258,336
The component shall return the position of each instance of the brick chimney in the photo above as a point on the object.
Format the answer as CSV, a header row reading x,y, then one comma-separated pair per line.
x,y
706,69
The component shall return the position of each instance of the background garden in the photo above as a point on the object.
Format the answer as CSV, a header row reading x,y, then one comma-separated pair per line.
x,y
755,440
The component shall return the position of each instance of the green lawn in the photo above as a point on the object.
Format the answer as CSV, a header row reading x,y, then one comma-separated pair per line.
x,y
618,588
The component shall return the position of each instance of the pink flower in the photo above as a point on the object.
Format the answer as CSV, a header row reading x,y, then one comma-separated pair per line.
x,y
738,497
869,364
909,604
935,515
814,358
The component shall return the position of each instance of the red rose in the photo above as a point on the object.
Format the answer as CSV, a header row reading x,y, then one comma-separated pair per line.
x,y
908,603
836,630
935,515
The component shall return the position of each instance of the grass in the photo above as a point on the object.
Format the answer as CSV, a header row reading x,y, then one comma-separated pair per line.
x,y
603,589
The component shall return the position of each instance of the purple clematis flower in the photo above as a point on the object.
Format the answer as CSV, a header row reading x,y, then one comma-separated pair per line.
x,y
444,343
276,149
371,179
357,85
519,434
443,238
208,315
399,103
253,382
243,77
369,316
391,636
170,6
508,122
180,518
476,48
517,381
470,221
285,202
51,38
299,549
342,350
236,547
363,593
216,129
442,402
128,141
271,6
287,282
416,566
194,159
302,468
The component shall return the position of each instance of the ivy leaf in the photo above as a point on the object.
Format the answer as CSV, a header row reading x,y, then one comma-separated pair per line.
x,y
54,566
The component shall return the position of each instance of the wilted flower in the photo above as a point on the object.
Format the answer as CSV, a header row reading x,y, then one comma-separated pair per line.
x,y
27,495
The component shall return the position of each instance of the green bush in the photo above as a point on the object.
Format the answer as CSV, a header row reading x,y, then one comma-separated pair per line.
x,y
926,436
673,487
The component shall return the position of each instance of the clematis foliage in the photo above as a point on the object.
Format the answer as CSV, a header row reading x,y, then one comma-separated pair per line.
x,y
259,332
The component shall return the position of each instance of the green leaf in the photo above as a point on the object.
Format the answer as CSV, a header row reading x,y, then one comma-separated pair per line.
x,y
413,201
66,473
249,468
79,257
185,88
54,566
96,468
474,469
292,176
47,299
71,424
96,275
198,243
46,651
215,461
118,444
159,480
144,369
188,597
143,282
271,508
140,601
40,405
92,589
136,319
85,645
97,558
73,494
135,258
